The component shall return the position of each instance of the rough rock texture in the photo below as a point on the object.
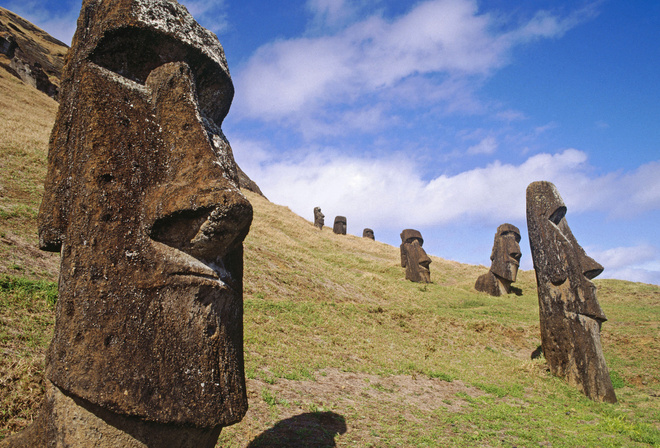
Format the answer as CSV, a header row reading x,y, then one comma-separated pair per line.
x,y
505,258
414,258
340,225
570,314
69,421
30,53
319,218
368,233
142,200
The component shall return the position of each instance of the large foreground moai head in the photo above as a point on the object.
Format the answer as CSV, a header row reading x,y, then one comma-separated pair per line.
x,y
340,225
414,258
368,233
142,199
505,260
569,311
319,218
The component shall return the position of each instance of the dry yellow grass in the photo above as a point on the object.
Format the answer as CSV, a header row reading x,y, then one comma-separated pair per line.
x,y
340,348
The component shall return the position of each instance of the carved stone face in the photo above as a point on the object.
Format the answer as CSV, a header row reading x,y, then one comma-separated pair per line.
x,y
319,218
368,233
506,254
414,258
340,225
141,198
569,311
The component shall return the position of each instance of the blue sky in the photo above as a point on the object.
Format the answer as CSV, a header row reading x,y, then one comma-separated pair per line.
x,y
437,114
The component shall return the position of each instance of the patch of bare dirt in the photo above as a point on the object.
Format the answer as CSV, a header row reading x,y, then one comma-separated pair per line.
x,y
288,412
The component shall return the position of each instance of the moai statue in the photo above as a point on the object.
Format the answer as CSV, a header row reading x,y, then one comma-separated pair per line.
x,y
414,258
141,199
340,225
570,314
505,259
319,218
368,233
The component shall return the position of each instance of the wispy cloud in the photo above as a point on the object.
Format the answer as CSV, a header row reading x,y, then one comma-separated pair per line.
x,y
436,46
486,146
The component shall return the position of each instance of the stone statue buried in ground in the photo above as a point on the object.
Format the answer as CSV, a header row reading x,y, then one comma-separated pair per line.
x,y
570,314
142,200
505,259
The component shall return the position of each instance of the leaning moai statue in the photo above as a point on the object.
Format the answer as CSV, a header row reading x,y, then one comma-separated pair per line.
x,y
340,225
368,233
414,258
141,199
570,314
319,218
505,258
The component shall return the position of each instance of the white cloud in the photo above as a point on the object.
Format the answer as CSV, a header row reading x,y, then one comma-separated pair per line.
x,y
392,192
621,257
634,275
441,41
486,146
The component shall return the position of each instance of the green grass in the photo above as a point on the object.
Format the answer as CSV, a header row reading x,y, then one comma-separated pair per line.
x,y
333,330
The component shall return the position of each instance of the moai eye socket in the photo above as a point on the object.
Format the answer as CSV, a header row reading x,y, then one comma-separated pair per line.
x,y
135,53
558,215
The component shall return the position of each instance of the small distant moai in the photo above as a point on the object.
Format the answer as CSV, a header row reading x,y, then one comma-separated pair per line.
x,y
142,200
570,314
505,258
414,258
319,218
340,225
368,233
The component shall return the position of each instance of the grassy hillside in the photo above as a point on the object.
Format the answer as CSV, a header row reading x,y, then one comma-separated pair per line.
x,y
340,349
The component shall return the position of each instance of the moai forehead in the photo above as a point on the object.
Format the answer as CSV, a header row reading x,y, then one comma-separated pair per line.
x,y
339,226
508,230
142,199
408,235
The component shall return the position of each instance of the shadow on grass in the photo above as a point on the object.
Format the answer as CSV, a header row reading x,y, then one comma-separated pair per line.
x,y
310,430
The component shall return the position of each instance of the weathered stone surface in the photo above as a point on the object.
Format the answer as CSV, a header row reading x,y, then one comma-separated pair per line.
x,y
368,233
319,218
505,258
142,200
414,258
30,53
69,421
340,225
570,314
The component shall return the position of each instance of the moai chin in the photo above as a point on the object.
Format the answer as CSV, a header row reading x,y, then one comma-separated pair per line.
x,y
414,258
368,233
340,225
505,260
142,200
319,218
570,314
